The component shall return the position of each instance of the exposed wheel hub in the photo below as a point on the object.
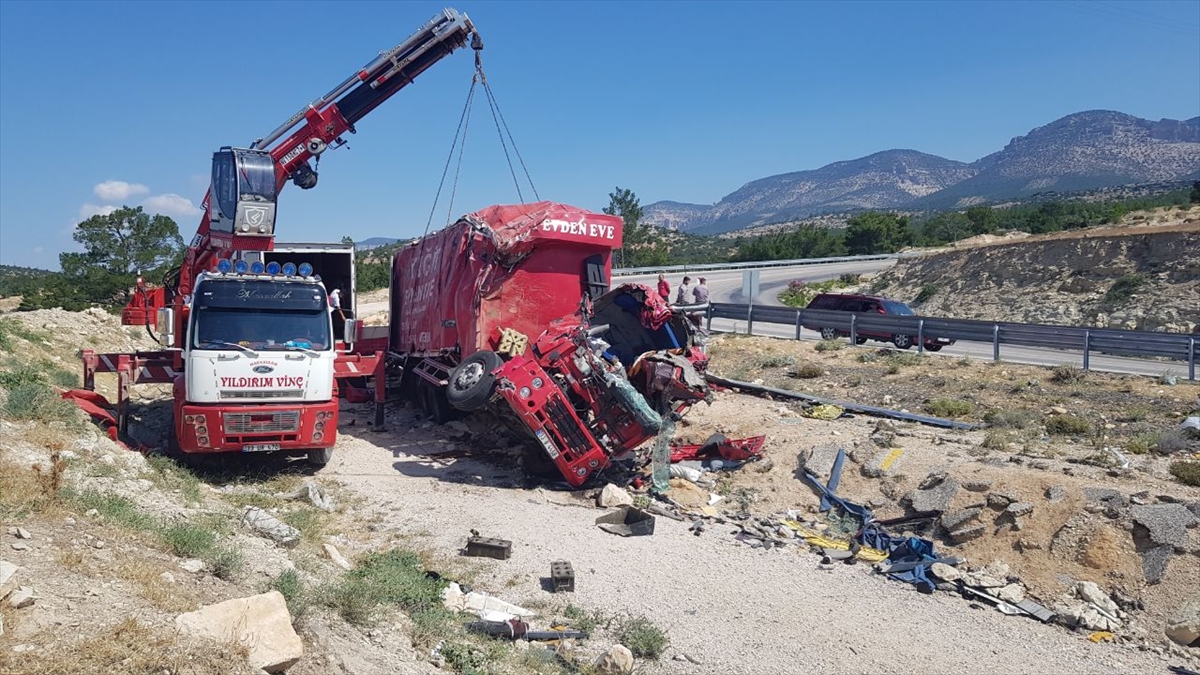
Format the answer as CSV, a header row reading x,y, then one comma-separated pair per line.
x,y
469,376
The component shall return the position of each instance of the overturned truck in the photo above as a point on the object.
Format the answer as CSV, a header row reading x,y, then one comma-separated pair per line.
x,y
510,308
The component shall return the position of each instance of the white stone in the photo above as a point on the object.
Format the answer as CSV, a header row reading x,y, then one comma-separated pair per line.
x,y
1012,593
108,459
1090,592
612,496
23,533
191,565
618,660
21,598
8,578
945,572
271,527
1184,625
19,546
167,577
260,623
92,513
336,556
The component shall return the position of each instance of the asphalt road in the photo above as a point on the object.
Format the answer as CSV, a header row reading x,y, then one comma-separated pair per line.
x,y
726,286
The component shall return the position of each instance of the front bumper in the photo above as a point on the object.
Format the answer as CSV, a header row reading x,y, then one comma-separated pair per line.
x,y
243,428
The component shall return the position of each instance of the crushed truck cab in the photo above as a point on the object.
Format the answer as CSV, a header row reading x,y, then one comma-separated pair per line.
x,y
509,308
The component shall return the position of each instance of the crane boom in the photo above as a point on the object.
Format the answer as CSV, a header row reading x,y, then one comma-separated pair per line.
x,y
239,208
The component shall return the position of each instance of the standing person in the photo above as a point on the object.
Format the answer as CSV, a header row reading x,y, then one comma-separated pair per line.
x,y
700,292
684,296
664,287
335,302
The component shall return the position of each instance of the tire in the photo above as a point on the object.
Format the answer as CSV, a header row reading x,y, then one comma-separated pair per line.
x,y
902,341
436,405
319,457
471,382
934,348
829,334
861,341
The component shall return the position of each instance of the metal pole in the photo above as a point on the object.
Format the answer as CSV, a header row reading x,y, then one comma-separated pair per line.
x,y
920,336
995,342
1192,359
1087,347
799,313
853,330
709,312
750,317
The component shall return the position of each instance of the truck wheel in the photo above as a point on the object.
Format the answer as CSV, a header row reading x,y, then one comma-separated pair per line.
x,y
320,456
902,341
436,405
471,381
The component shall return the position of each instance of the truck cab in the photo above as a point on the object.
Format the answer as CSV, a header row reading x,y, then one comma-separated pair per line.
x,y
259,362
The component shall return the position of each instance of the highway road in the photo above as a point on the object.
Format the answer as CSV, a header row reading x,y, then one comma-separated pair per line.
x,y
726,286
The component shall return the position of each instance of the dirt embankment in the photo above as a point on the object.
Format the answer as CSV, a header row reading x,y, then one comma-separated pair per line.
x,y
1142,276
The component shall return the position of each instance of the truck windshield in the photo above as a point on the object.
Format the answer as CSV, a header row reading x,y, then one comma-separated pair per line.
x,y
236,314
256,177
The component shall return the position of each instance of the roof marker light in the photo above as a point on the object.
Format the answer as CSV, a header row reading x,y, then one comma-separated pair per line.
x,y
305,270
224,265
241,267
257,267
289,268
272,268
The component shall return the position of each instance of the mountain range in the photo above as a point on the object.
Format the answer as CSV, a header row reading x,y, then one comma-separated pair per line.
x,y
1083,151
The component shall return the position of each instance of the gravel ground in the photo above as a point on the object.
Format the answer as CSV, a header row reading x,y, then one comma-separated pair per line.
x,y
735,609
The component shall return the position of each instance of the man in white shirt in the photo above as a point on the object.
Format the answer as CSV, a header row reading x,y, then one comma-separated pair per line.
x,y
684,296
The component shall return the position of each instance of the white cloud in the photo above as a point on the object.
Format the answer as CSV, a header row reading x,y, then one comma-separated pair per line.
x,y
119,190
88,210
171,204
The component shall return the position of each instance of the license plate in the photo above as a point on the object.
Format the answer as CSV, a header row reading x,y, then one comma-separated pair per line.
x,y
547,444
260,447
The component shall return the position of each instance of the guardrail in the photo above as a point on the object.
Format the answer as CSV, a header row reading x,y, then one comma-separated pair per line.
x,y
924,332
762,264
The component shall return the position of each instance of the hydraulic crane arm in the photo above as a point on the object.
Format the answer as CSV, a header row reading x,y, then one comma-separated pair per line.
x,y
239,209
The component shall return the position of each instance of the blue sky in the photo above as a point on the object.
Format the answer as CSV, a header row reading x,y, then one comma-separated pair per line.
x,y
110,103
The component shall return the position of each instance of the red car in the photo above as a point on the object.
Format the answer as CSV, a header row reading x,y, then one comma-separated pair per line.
x,y
868,304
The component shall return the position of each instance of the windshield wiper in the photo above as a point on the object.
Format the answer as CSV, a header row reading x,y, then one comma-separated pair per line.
x,y
247,350
298,348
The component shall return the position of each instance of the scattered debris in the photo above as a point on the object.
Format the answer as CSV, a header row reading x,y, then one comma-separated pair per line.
x,y
516,629
487,547
485,606
270,527
936,494
627,521
562,576
259,623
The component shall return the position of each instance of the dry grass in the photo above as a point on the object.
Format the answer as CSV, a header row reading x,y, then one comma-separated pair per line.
x,y
146,575
25,490
127,648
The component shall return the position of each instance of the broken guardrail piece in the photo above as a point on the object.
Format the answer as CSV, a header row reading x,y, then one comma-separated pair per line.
x,y
852,407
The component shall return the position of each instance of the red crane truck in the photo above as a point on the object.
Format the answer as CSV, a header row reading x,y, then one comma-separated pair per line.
x,y
510,308
249,341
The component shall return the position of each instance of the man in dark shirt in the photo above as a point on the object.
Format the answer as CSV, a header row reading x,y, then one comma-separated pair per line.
x,y
700,292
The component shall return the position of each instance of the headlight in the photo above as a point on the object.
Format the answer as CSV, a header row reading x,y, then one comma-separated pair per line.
x,y
317,436
320,425
203,440
525,392
537,383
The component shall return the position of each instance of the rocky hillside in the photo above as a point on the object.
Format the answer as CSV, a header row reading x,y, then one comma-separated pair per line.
x,y
1144,275
1083,151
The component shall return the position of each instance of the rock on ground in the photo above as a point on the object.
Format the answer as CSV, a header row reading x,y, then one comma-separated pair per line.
x,y
336,556
618,660
883,463
819,461
270,527
1165,524
612,496
1184,625
260,623
952,520
937,497
21,598
8,578
1089,591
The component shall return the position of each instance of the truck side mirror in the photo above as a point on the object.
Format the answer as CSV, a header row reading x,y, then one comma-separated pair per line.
x,y
166,326
350,332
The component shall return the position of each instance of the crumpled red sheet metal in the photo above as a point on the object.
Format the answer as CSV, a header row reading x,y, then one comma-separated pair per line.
x,y
717,445
97,407
514,226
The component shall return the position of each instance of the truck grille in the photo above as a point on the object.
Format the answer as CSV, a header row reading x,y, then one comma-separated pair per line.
x,y
266,393
254,423
565,424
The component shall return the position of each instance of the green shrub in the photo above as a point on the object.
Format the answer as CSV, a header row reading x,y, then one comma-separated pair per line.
x,y
927,292
1186,472
187,540
227,564
775,360
642,637
20,375
1020,418
1123,288
1068,374
1141,444
808,371
829,345
949,407
1067,425
996,440
394,577
292,588
114,509
40,403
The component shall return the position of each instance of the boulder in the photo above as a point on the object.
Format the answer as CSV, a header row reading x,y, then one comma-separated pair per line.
x,y
270,527
935,498
945,572
8,578
1184,625
1091,592
618,660
1012,593
259,623
612,496
21,598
